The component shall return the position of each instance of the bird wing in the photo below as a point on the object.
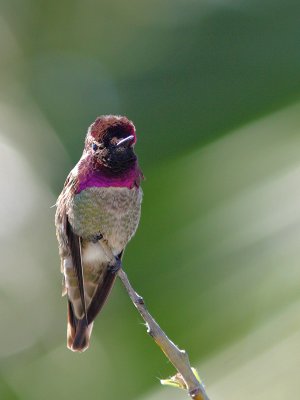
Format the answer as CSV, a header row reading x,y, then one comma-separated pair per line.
x,y
74,242
71,250
69,242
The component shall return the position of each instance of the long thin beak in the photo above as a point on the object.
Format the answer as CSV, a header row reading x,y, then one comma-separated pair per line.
x,y
125,140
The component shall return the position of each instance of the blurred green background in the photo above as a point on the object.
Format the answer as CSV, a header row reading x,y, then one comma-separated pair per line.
x,y
213,88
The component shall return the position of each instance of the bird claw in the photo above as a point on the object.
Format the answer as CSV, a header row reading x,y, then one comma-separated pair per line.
x,y
114,268
97,237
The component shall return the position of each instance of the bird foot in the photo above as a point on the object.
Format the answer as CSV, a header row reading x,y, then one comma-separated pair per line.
x,y
97,237
114,268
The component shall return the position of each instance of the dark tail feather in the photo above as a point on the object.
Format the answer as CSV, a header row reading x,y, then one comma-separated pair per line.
x,y
101,295
78,334
102,292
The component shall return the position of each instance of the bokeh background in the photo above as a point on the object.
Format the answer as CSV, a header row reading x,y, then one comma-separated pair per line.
x,y
213,87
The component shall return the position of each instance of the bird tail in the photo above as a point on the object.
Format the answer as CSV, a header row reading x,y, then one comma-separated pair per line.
x,y
78,332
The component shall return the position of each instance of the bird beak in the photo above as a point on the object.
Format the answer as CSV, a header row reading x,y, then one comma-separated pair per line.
x,y
126,140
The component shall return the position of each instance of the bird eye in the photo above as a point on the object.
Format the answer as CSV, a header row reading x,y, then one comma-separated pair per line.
x,y
94,146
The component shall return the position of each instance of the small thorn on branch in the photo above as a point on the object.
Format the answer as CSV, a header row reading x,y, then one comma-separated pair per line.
x,y
150,333
194,394
140,300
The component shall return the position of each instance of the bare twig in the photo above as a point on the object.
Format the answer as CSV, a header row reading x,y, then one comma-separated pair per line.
x,y
179,358
185,378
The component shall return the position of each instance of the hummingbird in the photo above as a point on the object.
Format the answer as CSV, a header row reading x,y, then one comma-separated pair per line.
x,y
98,209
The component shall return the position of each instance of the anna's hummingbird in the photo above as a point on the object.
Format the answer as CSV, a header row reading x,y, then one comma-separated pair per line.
x,y
99,206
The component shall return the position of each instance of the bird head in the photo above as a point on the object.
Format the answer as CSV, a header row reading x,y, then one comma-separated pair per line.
x,y
110,141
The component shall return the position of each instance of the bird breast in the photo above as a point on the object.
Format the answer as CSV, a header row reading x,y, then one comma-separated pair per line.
x,y
113,212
